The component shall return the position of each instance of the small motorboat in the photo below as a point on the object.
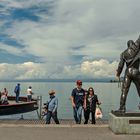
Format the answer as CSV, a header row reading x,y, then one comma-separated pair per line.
x,y
15,108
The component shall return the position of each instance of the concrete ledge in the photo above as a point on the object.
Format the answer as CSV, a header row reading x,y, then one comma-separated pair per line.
x,y
124,125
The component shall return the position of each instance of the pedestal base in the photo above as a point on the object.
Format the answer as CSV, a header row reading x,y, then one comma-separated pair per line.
x,y
125,124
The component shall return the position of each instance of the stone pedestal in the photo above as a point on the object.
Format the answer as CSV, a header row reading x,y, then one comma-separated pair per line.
x,y
128,123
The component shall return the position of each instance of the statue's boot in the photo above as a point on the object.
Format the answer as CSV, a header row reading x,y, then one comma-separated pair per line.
x,y
122,108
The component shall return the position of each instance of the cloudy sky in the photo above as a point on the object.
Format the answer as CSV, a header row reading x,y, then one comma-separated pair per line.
x,y
65,38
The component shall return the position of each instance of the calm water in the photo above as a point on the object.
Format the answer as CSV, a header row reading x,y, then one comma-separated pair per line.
x,y
108,94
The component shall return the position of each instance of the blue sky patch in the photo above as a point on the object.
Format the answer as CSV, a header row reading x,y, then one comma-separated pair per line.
x,y
5,39
6,57
24,14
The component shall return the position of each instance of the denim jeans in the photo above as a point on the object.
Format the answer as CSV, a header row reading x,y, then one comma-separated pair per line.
x,y
53,115
17,97
78,114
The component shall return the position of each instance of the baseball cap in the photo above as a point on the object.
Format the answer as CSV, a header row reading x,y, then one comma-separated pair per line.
x,y
79,82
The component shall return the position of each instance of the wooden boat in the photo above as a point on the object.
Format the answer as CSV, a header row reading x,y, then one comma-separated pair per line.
x,y
15,108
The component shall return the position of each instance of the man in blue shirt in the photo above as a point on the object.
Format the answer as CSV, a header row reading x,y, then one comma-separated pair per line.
x,y
78,99
52,108
17,92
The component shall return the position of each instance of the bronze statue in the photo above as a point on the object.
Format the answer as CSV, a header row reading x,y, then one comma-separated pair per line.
x,y
130,57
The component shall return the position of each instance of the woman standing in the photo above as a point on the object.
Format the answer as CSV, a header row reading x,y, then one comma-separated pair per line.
x,y
91,101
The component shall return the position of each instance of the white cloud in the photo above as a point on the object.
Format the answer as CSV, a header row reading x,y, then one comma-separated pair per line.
x,y
73,23
11,49
1,22
101,68
27,70
92,69
21,3
101,27
30,70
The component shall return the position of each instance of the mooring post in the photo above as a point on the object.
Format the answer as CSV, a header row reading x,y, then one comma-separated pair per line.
x,y
39,111
40,106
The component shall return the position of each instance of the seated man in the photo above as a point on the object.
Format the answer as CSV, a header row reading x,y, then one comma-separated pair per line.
x,y
4,94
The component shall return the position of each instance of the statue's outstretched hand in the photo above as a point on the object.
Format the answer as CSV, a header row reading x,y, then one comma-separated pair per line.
x,y
117,76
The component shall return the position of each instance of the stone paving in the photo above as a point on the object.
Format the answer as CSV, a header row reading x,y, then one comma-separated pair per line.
x,y
39,122
51,132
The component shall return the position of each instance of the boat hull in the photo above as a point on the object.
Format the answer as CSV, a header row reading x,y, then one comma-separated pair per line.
x,y
17,108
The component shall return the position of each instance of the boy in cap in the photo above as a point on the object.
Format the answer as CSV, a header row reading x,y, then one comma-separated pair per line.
x,y
78,99
52,108
29,94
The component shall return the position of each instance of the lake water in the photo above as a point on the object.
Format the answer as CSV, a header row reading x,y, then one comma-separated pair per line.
x,y
108,94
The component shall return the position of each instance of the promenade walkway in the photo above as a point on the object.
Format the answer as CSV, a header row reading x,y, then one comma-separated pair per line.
x,y
39,122
12,130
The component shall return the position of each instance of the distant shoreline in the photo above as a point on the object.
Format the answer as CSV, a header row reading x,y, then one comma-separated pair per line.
x,y
107,80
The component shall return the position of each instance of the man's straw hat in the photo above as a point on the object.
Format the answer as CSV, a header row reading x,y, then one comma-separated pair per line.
x,y
52,92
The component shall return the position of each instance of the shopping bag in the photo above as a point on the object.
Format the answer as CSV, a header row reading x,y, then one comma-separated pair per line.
x,y
98,113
